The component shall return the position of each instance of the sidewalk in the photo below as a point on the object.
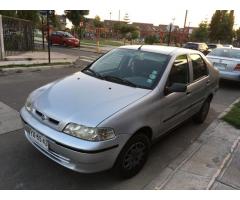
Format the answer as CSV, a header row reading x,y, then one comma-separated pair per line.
x,y
37,57
93,48
211,162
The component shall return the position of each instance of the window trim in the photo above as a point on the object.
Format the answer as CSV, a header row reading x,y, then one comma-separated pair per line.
x,y
189,72
202,77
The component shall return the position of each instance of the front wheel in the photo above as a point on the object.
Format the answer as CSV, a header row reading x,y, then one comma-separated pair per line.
x,y
133,156
202,114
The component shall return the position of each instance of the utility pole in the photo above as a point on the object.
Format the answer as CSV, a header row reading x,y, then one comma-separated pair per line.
x,y
119,14
2,52
43,45
48,36
185,20
170,30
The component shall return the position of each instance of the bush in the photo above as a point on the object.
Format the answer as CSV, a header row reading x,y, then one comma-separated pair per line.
x,y
151,39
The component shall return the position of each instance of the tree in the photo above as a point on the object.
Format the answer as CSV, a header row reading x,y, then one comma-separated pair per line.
x,y
221,26
135,35
32,15
127,30
76,16
9,13
97,22
201,33
151,39
237,34
126,18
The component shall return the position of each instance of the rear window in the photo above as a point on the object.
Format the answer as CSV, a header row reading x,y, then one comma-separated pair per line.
x,y
199,67
212,46
191,46
226,52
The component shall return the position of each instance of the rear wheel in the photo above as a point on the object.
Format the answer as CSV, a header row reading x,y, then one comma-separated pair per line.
x,y
202,114
133,156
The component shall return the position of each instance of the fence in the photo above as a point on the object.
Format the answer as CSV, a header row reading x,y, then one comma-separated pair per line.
x,y
17,36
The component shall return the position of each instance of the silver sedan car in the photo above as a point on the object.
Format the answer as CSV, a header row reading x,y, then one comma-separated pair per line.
x,y
227,61
107,115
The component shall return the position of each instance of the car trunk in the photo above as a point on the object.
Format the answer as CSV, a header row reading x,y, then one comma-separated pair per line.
x,y
224,63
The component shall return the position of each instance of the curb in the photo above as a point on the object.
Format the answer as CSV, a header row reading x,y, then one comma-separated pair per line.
x,y
31,69
33,59
180,172
93,51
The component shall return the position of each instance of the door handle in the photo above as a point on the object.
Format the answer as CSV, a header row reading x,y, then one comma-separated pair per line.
x,y
188,92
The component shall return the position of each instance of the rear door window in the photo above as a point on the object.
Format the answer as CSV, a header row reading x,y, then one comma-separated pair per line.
x,y
180,71
199,67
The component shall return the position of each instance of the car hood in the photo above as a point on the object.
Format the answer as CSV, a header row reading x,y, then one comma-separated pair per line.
x,y
84,99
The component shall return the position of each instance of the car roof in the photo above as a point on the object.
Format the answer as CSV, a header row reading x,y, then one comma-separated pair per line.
x,y
195,43
235,48
169,50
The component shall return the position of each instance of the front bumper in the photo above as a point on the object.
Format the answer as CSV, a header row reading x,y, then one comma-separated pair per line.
x,y
74,153
235,76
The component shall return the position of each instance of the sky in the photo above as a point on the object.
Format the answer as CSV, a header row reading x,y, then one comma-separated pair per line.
x,y
148,11
157,16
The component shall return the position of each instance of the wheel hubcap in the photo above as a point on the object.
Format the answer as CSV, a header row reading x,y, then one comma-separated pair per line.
x,y
134,155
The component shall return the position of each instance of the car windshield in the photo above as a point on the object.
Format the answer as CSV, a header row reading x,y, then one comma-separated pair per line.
x,y
135,68
226,52
212,46
191,46
66,34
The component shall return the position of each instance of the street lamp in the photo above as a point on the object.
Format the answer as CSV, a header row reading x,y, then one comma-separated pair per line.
x,y
170,30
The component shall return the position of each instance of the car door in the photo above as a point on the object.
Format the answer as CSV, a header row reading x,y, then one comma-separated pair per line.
x,y
175,105
200,80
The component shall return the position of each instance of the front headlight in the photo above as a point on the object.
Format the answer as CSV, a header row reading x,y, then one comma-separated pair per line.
x,y
89,133
28,105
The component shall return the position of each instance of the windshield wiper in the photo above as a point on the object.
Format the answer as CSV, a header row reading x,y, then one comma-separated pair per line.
x,y
96,74
119,80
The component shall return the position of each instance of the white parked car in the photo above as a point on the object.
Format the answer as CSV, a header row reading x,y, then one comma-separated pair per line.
x,y
227,61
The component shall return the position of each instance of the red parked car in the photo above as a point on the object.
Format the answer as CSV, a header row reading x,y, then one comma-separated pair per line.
x,y
64,38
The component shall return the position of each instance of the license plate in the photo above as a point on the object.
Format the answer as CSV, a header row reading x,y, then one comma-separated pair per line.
x,y
220,66
38,138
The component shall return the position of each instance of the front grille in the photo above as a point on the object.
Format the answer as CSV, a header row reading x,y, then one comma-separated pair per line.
x,y
46,118
53,121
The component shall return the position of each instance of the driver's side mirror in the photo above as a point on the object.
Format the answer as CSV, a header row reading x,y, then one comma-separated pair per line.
x,y
176,87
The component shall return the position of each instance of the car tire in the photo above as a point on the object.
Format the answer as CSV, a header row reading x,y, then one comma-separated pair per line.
x,y
133,156
202,114
64,44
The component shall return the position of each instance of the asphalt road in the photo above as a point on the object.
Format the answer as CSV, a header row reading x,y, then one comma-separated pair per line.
x,y
23,167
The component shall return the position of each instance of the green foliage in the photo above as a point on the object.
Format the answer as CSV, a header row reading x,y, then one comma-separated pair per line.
x,y
76,16
233,116
117,27
126,29
97,22
221,26
237,34
9,13
32,15
135,35
151,39
201,33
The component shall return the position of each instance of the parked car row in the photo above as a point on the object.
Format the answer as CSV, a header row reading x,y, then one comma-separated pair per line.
x,y
227,61
225,58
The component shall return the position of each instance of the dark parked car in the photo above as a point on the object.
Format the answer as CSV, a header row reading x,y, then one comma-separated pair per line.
x,y
213,46
64,38
202,47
